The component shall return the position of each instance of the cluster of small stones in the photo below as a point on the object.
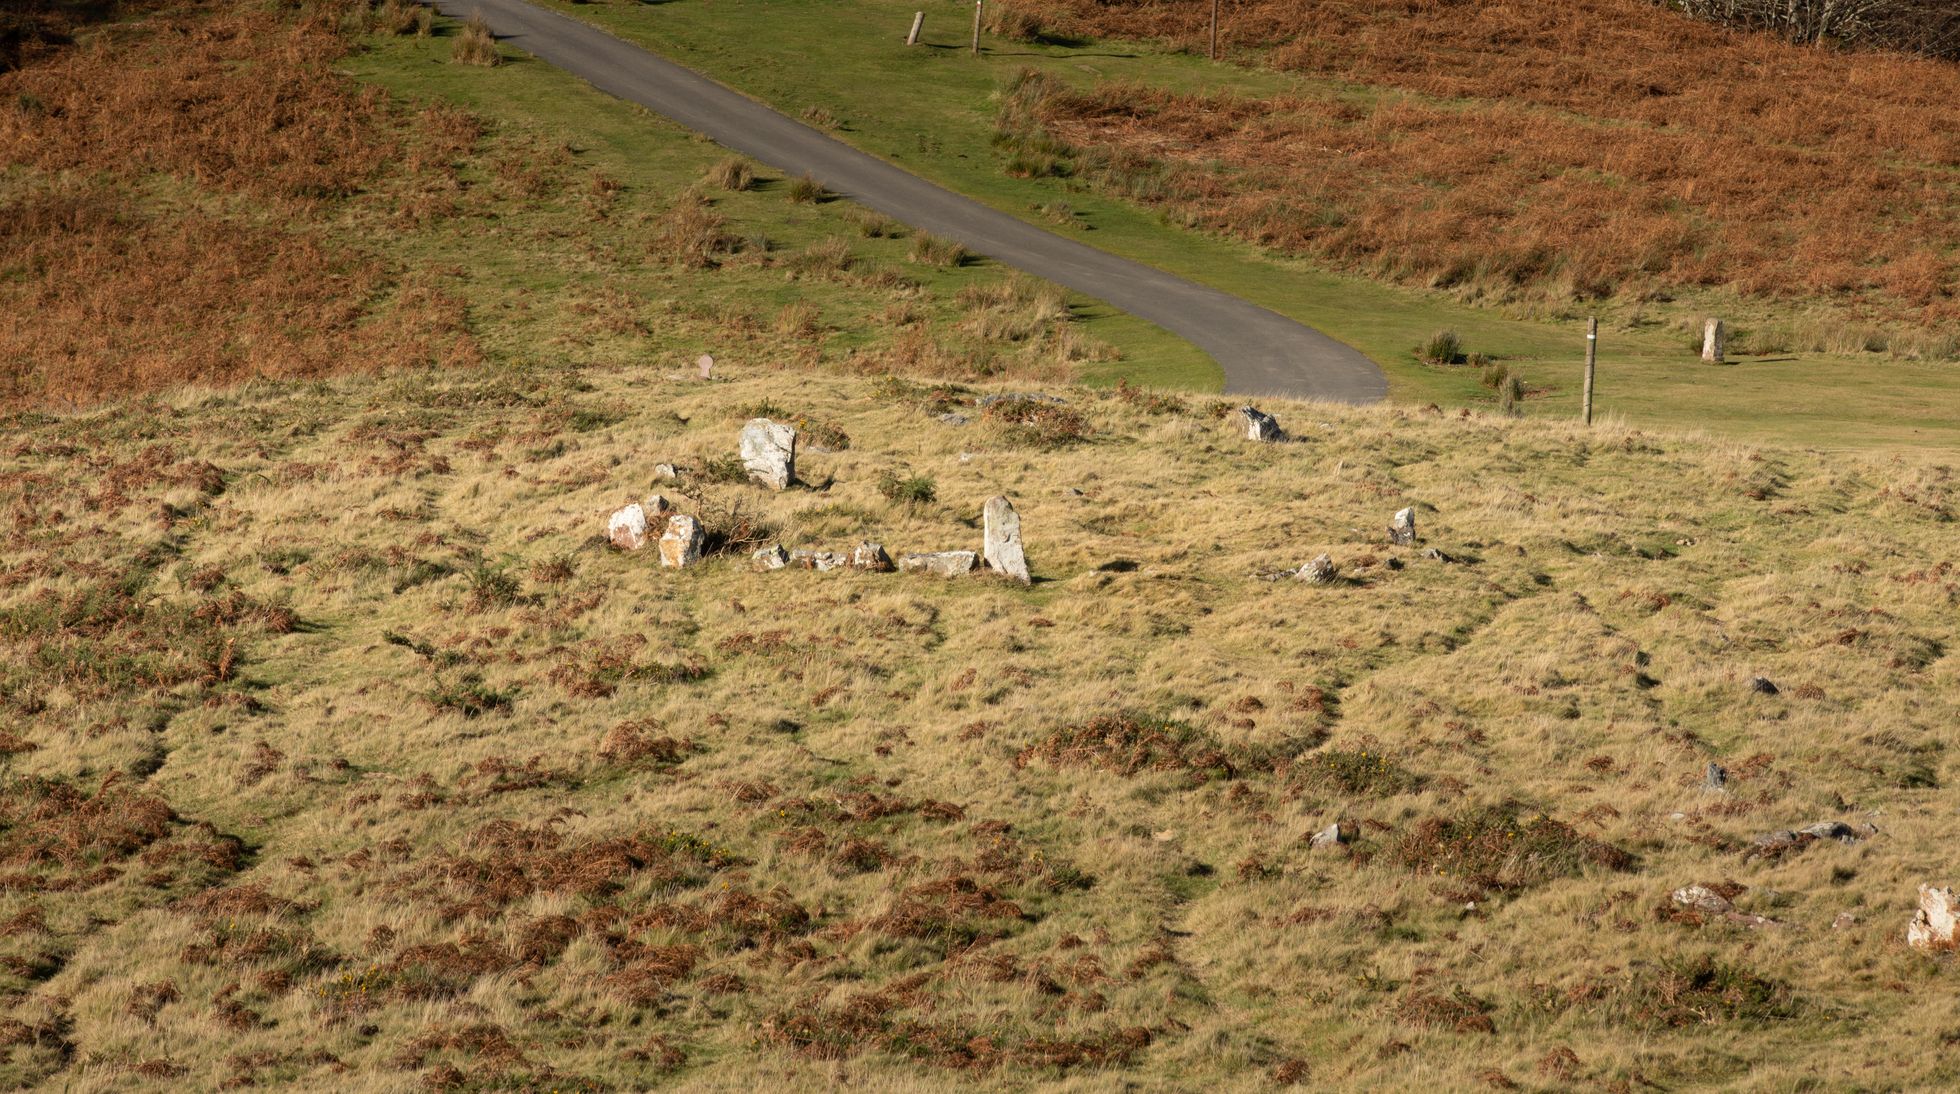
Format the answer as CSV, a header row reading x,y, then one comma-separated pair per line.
x,y
1002,551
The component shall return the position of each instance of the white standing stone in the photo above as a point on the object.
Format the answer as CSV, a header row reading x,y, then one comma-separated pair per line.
x,y
1402,529
1933,926
628,528
769,453
1260,426
682,543
1002,545
771,558
943,563
1714,341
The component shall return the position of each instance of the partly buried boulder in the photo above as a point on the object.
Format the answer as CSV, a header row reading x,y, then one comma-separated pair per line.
x,y
943,563
769,453
871,557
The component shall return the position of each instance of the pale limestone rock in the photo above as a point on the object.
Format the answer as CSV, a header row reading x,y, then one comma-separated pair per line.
x,y
942,563
871,557
683,541
772,557
769,453
628,528
1260,426
1002,544
1933,926
1402,529
1319,571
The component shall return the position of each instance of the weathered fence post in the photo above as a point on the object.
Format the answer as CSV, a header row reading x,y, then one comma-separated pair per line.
x,y
1592,360
977,5
918,24
1214,30
1714,341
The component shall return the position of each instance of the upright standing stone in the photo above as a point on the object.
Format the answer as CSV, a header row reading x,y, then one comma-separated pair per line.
x,y
628,528
1402,529
1260,426
682,543
769,453
1933,926
1714,341
1002,546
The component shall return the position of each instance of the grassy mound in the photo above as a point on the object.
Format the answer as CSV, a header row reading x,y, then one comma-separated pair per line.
x,y
342,748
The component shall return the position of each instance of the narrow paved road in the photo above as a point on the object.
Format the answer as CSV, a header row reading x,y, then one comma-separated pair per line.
x,y
1260,351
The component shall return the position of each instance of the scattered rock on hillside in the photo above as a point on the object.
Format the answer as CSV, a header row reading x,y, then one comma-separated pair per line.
x,y
1715,778
1334,835
1703,899
658,508
817,560
1319,571
666,472
871,557
954,418
1002,544
943,563
1777,844
1844,921
682,543
769,453
1260,426
628,528
1932,926
1402,529
1019,397
1762,685
1434,555
772,557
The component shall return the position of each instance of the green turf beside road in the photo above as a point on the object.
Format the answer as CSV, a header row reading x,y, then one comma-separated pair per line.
x,y
931,109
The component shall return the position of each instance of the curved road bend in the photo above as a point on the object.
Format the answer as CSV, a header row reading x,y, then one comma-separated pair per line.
x,y
1260,351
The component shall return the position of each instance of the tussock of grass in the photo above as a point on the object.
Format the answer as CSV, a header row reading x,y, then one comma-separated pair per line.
x,y
475,45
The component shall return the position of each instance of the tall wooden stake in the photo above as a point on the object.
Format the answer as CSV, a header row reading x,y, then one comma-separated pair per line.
x,y
918,24
976,26
1592,360
1214,30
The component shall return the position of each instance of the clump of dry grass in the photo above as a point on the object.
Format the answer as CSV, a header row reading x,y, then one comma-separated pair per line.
x,y
475,45
931,250
734,174
805,190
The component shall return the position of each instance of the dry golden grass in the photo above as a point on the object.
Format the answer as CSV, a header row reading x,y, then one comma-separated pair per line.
x,y
1486,149
527,811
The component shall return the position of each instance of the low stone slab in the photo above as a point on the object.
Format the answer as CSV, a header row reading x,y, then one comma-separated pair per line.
x,y
942,563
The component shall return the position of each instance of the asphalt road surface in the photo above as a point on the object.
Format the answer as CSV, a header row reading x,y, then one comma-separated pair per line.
x,y
1260,351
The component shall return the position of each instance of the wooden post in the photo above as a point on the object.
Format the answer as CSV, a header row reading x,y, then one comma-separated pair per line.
x,y
1714,341
1592,359
918,24
977,5
1214,30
